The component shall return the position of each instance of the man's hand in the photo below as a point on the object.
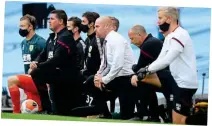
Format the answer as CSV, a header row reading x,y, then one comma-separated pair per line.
x,y
29,71
98,81
33,65
134,80
142,73
98,77
97,84
141,76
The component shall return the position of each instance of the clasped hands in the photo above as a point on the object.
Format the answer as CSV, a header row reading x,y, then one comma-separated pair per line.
x,y
98,81
32,66
140,75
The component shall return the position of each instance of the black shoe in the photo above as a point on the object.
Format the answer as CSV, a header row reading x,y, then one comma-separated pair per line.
x,y
153,119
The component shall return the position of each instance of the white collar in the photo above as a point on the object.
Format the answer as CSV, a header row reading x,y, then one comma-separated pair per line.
x,y
109,34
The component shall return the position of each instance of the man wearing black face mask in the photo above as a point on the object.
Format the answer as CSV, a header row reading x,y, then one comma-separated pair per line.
x,y
31,46
92,57
177,53
90,105
73,26
56,65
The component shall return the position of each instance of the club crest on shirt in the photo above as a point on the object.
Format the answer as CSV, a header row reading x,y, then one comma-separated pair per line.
x,y
31,47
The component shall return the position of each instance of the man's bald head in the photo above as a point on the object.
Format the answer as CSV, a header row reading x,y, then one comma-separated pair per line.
x,y
103,26
137,34
138,29
106,21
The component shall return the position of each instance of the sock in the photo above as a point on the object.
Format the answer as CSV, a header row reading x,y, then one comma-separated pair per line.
x,y
31,92
15,97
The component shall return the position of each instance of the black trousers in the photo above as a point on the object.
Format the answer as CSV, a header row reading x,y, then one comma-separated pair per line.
x,y
64,90
146,102
119,87
146,95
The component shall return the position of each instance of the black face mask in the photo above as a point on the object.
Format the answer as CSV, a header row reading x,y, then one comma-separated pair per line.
x,y
23,32
84,28
164,27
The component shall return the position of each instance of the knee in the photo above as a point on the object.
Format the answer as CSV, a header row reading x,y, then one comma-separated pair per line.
x,y
178,118
178,121
34,72
13,81
174,120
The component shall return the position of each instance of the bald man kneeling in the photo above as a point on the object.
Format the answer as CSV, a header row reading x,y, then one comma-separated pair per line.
x,y
115,69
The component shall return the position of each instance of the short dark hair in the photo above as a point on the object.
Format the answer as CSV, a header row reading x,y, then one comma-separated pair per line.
x,y
115,22
61,14
91,16
76,22
31,19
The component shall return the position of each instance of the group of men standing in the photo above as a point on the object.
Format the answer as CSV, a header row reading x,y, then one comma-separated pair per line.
x,y
68,76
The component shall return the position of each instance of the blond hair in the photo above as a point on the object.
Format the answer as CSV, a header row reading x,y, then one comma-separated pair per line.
x,y
170,11
31,19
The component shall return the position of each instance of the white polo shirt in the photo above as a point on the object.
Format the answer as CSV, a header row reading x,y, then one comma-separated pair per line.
x,y
183,62
120,57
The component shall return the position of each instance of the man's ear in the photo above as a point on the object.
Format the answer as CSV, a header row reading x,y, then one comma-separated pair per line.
x,y
91,25
76,29
31,27
169,18
61,21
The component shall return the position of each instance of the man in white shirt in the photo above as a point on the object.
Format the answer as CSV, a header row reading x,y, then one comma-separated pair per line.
x,y
178,54
91,105
115,26
115,69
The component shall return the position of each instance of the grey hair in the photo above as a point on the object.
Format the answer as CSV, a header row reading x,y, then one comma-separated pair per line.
x,y
115,22
137,29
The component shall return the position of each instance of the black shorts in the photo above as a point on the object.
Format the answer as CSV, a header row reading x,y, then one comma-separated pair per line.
x,y
181,97
182,102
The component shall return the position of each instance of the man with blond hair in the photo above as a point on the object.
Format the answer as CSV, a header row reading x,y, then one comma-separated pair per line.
x,y
178,54
31,47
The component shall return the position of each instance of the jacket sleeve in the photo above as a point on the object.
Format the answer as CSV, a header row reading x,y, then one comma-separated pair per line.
x,y
80,56
168,56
